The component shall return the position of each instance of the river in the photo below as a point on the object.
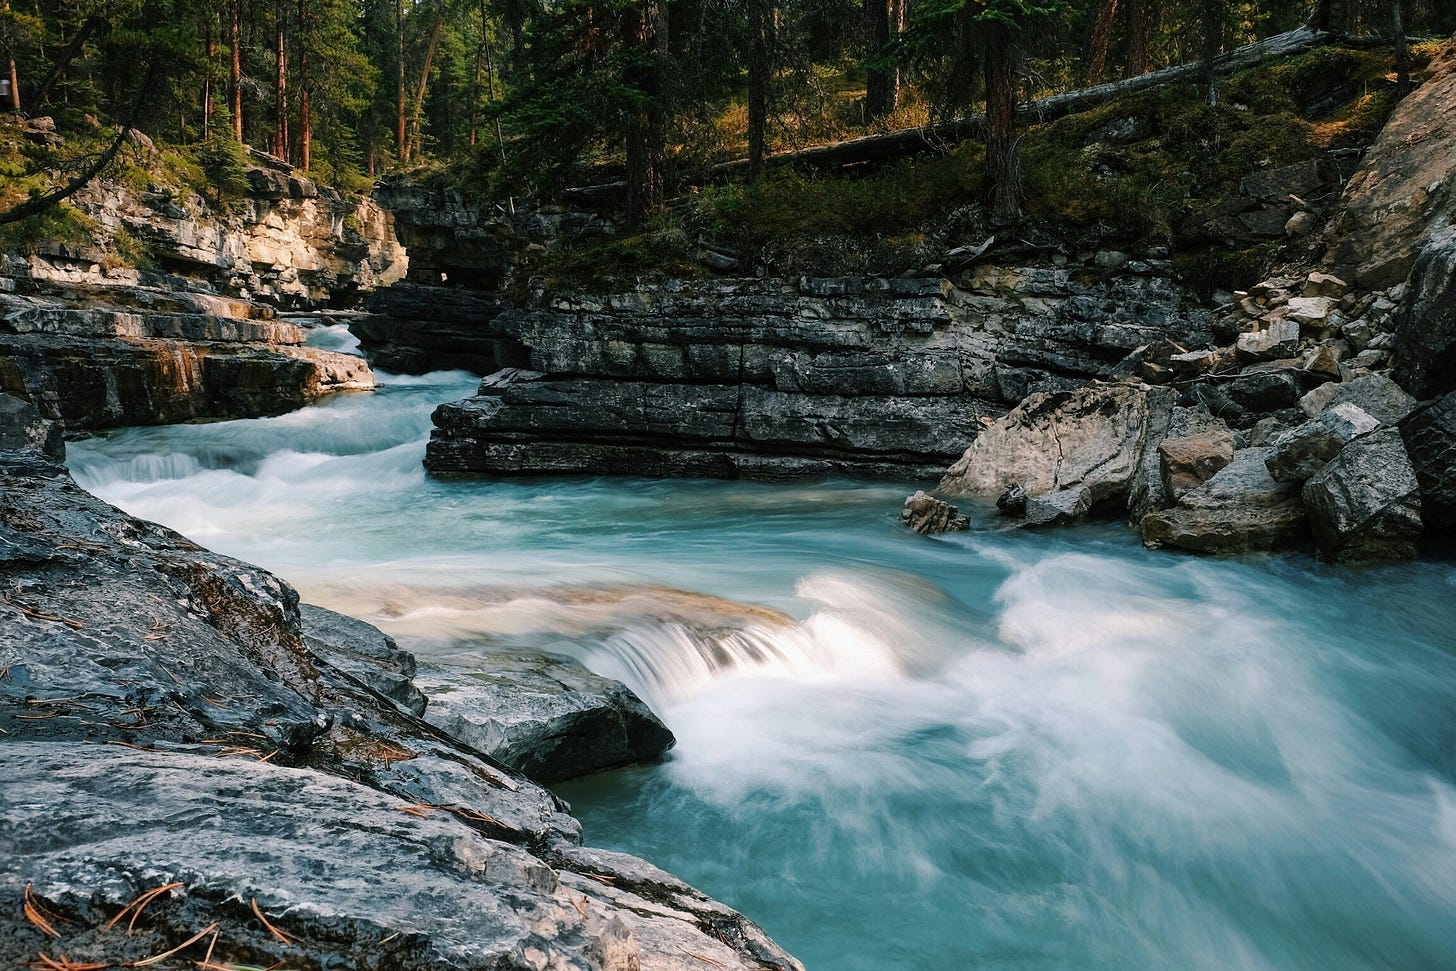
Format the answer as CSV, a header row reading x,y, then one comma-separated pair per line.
x,y
994,750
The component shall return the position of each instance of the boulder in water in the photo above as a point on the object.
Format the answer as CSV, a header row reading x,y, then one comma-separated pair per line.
x,y
928,515
1240,509
549,719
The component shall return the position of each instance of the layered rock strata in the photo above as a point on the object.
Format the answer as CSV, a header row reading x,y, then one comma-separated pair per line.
x,y
769,378
171,721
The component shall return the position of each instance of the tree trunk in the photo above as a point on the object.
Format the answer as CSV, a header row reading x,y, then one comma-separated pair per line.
x,y
1402,50
1137,38
305,114
417,143
1211,14
1320,18
280,83
211,48
1098,42
400,143
1003,166
235,89
12,75
883,21
643,27
88,27
760,69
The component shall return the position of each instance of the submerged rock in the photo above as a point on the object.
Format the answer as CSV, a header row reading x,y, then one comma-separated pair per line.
x,y
548,719
1365,504
928,515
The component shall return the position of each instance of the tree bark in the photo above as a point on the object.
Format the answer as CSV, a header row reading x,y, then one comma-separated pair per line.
x,y
760,70
642,31
1098,42
400,143
417,142
280,83
1137,39
1003,166
211,49
235,90
305,113
1402,49
12,75
1211,14
884,19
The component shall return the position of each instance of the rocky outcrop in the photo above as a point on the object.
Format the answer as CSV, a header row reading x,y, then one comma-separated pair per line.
x,y
95,356
1430,438
170,722
766,379
548,719
1240,509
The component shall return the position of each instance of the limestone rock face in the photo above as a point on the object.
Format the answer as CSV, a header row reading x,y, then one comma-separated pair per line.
x,y
928,515
548,719
1430,439
1365,504
372,838
364,652
1092,438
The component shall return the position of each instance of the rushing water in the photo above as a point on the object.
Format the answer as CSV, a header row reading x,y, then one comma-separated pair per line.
x,y
995,750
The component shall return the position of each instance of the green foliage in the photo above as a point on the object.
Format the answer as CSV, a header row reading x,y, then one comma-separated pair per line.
x,y
225,166
60,224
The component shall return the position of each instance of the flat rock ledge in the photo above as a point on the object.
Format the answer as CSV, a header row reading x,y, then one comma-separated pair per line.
x,y
170,721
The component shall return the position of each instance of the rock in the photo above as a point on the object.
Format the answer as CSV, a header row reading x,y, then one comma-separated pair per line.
x,y
1365,504
1240,509
1377,396
1261,388
1430,441
1302,223
1192,363
1358,332
374,839
364,652
1093,438
1324,285
1299,453
22,427
928,515
1425,327
1318,399
1323,362
549,719
1312,312
1012,502
1279,340
1187,460
1367,359
1060,507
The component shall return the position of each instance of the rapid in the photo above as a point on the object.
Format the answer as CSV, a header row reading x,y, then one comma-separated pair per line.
x,y
994,750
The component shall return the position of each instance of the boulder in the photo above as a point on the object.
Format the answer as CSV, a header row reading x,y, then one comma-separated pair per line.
x,y
1377,396
1324,285
1430,441
1091,438
1425,326
1299,453
1313,312
1060,507
1279,340
1189,457
1365,504
928,515
549,719
365,652
1241,509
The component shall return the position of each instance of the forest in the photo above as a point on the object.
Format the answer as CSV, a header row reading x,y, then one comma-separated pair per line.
x,y
536,98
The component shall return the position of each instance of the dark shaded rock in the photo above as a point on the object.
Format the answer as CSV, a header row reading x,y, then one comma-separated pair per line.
x,y
1266,387
548,719
1060,507
1299,453
364,652
1430,441
1425,326
1241,509
1012,502
22,427
928,515
1365,505
414,329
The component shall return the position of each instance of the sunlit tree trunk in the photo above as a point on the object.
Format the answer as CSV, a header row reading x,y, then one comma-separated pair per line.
x,y
12,75
1098,42
235,88
280,82
305,111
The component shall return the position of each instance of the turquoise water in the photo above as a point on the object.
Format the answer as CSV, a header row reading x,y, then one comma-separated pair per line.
x,y
994,750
